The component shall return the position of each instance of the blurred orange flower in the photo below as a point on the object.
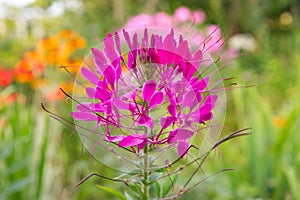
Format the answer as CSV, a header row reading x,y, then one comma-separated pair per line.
x,y
279,122
56,51
29,67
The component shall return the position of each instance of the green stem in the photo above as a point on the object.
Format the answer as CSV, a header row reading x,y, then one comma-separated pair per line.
x,y
146,190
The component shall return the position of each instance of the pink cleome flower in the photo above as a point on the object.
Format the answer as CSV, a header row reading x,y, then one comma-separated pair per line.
x,y
154,95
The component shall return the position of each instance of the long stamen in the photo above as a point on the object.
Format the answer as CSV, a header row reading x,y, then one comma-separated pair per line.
x,y
105,119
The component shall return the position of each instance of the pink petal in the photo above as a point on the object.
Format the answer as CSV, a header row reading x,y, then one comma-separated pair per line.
x,y
103,94
133,95
120,104
182,147
142,145
132,108
208,104
117,41
172,110
109,48
206,117
145,38
115,138
202,114
202,84
198,57
146,121
130,141
99,59
165,122
149,123
171,97
171,136
127,38
90,76
131,60
156,41
179,86
109,75
98,107
157,98
134,42
90,92
142,136
148,89
202,117
206,108
183,49
85,116
88,107
85,107
212,98
170,43
183,134
189,70
198,97
118,70
188,99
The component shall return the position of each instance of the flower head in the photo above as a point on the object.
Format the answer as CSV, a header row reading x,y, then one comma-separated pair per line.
x,y
155,94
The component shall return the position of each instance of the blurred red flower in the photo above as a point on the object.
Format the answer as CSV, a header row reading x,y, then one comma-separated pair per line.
x,y
6,76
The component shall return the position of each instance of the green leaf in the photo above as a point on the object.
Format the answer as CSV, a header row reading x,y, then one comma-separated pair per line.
x,y
294,184
134,172
16,186
130,195
163,169
16,167
168,185
6,151
136,188
112,191
154,176
155,189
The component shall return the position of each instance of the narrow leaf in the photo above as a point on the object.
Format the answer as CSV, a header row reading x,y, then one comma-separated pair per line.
x,y
169,185
112,191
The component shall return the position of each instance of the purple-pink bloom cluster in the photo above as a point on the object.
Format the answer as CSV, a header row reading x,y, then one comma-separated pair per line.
x,y
154,94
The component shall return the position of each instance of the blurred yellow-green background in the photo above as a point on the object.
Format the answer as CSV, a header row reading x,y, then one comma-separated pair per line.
x,y
42,159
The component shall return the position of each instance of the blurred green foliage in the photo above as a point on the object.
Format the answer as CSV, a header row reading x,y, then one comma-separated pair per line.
x,y
41,159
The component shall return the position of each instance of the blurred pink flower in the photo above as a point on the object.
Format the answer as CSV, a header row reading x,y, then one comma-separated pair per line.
x,y
198,16
162,19
142,20
182,14
209,37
